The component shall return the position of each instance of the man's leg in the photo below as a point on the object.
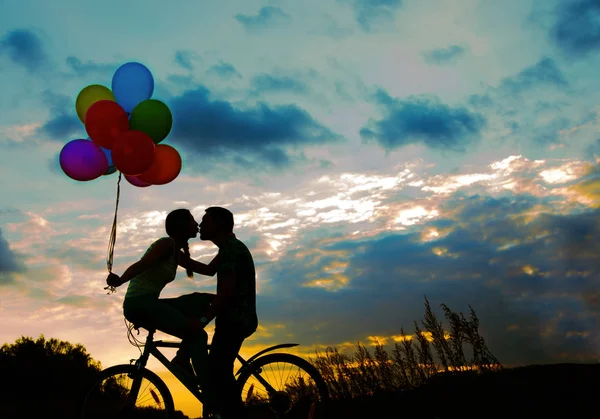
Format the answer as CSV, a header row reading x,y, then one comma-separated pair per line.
x,y
192,306
223,389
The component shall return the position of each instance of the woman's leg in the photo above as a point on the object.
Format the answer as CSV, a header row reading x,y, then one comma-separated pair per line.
x,y
164,316
191,305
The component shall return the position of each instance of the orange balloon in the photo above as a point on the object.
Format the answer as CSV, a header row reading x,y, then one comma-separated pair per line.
x,y
165,167
133,152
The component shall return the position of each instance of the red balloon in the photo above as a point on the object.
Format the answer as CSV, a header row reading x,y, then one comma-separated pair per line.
x,y
133,152
136,182
165,168
105,120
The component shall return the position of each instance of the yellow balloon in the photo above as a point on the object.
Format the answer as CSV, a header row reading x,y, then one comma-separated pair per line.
x,y
90,95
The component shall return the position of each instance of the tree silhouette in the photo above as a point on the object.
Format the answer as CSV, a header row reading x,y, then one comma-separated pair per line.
x,y
42,376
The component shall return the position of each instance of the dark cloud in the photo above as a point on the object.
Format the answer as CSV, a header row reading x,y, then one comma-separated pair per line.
x,y
592,151
543,73
80,301
9,263
444,55
544,134
256,136
576,30
332,28
185,59
225,70
9,211
533,283
83,69
267,16
24,48
481,101
63,123
370,13
422,119
271,83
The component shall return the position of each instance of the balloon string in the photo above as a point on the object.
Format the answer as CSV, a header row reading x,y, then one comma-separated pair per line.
x,y
113,236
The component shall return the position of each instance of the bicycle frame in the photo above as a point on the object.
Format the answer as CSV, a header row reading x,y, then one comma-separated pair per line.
x,y
151,348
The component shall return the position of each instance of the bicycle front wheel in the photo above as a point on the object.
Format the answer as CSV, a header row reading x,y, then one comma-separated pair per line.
x,y
288,387
123,391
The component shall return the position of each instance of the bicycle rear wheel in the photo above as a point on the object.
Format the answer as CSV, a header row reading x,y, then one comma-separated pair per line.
x,y
298,390
123,391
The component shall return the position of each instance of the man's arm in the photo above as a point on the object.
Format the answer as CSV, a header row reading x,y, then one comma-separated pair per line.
x,y
224,295
199,267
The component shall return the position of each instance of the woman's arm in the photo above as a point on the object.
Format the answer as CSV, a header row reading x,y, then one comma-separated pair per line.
x,y
199,267
161,250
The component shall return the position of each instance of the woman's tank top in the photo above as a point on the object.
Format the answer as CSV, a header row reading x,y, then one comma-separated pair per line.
x,y
152,281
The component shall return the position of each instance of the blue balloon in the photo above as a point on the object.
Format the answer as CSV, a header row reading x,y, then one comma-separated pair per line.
x,y
111,167
108,153
132,83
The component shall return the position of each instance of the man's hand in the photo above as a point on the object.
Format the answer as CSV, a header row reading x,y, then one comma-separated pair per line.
x,y
114,280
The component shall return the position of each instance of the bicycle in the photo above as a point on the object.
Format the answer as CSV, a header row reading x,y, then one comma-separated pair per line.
x,y
109,396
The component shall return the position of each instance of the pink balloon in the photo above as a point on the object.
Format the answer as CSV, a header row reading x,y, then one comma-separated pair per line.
x,y
136,182
83,160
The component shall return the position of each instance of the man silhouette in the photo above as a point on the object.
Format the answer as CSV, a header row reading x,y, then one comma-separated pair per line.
x,y
233,308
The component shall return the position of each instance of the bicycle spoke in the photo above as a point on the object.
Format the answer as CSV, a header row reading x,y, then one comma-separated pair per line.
x,y
298,391
114,395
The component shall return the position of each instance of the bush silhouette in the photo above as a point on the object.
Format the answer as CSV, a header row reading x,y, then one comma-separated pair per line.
x,y
413,361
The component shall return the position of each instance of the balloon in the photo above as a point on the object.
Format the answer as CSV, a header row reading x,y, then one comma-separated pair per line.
x,y
90,95
83,160
104,122
136,182
132,83
165,168
111,167
133,152
152,117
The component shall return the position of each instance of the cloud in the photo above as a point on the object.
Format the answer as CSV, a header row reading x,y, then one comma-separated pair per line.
x,y
330,27
272,83
224,70
422,119
267,16
78,301
444,55
252,136
83,69
543,73
530,275
481,100
592,151
8,262
185,59
369,13
576,30
63,122
24,48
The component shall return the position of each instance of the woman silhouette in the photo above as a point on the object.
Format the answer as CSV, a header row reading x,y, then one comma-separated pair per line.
x,y
180,316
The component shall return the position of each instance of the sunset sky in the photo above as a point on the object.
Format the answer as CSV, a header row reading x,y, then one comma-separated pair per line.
x,y
372,152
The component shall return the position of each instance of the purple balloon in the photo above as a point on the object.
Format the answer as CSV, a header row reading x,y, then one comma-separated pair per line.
x,y
83,160
136,182
108,153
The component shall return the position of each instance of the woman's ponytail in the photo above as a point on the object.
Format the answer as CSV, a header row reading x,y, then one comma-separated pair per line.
x,y
186,251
